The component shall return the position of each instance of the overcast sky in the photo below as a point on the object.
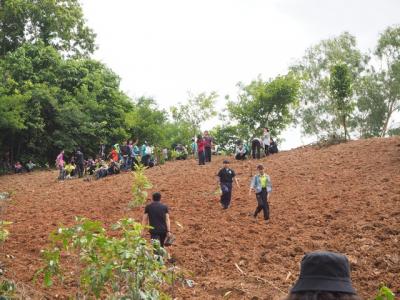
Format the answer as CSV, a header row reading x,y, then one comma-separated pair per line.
x,y
163,49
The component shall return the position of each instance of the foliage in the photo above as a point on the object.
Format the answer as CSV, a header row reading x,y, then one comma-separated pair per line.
x,y
57,23
173,154
266,104
315,113
227,136
124,268
145,121
8,289
199,108
388,51
370,108
140,184
384,293
59,104
4,233
340,91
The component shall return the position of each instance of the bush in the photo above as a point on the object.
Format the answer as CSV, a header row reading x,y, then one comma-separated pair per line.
x,y
121,268
140,184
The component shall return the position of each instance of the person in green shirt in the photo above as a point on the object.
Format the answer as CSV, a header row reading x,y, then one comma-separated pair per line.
x,y
261,185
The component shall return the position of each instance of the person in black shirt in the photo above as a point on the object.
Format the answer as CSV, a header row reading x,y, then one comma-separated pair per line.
x,y
226,176
157,216
80,162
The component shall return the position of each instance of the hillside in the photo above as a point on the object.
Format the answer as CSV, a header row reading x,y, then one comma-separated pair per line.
x,y
344,198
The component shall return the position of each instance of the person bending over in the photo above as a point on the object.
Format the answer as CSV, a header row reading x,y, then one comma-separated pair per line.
x,y
157,216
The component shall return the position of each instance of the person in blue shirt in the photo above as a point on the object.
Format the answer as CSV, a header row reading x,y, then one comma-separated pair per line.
x,y
261,185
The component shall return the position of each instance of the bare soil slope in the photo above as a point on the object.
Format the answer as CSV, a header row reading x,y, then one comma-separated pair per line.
x,y
344,198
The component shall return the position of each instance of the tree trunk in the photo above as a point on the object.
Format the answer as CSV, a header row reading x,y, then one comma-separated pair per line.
x,y
345,127
389,115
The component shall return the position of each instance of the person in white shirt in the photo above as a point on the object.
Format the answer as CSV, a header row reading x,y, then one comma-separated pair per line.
x,y
266,140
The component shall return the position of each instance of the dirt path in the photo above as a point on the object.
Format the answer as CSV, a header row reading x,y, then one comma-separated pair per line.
x,y
344,198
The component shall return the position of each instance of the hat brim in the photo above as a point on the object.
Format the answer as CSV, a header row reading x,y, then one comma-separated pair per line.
x,y
323,284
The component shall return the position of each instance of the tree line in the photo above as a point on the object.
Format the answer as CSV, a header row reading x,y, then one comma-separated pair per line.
x,y
54,96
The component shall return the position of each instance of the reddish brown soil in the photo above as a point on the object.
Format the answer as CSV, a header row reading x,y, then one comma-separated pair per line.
x,y
344,198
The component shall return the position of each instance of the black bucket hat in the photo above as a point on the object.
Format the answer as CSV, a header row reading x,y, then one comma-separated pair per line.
x,y
324,271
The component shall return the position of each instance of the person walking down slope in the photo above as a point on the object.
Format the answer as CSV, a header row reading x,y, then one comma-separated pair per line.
x,y
226,176
200,150
157,216
261,185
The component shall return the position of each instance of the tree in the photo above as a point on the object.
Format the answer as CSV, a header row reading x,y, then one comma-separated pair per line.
x,y
199,108
59,23
388,51
58,104
370,110
146,122
340,90
266,104
316,114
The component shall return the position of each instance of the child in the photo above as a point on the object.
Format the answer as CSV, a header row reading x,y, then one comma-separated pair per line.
x,y
29,166
200,150
226,176
18,167
261,185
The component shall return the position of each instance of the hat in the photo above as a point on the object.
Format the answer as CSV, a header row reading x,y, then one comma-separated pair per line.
x,y
226,161
324,271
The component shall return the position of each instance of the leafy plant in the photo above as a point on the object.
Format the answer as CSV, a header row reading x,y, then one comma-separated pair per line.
x,y
123,268
384,293
140,184
173,154
3,231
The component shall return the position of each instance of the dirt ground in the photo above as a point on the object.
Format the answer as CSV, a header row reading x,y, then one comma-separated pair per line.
x,y
344,198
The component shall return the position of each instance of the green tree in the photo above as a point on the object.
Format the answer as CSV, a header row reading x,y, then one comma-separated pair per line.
x,y
266,104
59,23
58,104
370,109
315,113
341,92
388,51
146,122
196,110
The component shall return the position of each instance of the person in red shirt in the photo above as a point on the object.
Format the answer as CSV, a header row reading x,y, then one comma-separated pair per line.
x,y
200,149
114,154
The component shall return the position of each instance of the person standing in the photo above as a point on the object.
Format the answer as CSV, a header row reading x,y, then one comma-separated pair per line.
x,y
208,140
266,140
157,216
80,162
261,185
60,165
200,150
225,180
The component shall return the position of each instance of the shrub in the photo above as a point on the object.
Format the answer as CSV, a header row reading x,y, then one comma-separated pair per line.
x,y
140,184
110,267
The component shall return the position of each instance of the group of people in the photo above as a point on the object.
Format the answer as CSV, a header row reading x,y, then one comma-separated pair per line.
x,y
265,144
121,158
19,168
203,147
323,275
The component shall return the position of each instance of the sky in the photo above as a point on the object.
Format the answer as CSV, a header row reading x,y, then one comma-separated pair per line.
x,y
164,49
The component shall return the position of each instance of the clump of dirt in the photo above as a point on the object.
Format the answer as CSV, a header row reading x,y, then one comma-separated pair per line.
x,y
343,198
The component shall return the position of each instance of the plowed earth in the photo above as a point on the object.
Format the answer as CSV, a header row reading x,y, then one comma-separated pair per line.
x,y
344,198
